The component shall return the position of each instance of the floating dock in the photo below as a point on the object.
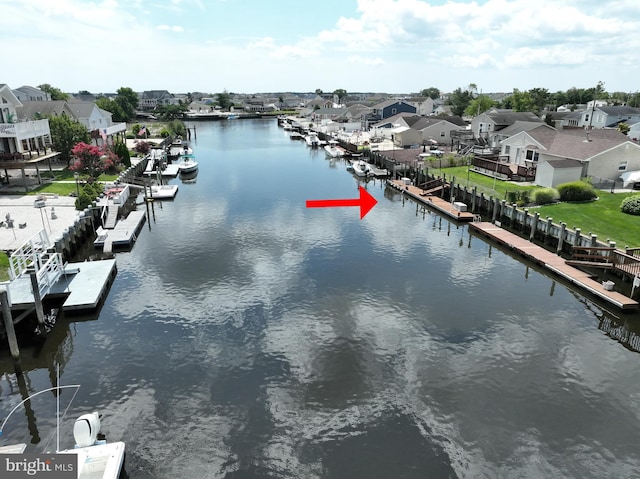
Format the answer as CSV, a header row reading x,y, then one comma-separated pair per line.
x,y
171,170
554,263
163,192
83,284
124,233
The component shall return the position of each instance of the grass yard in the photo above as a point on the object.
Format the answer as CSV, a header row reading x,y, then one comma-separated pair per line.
x,y
601,217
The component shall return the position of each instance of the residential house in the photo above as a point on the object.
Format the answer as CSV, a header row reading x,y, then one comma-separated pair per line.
x,y
423,104
388,108
149,100
37,110
488,123
98,121
437,129
442,109
319,102
602,154
19,139
29,93
608,116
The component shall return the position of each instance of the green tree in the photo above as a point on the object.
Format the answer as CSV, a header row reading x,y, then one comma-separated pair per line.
x,y
540,98
171,112
479,105
319,91
340,93
114,108
459,100
623,128
522,101
224,100
65,134
56,93
431,92
127,100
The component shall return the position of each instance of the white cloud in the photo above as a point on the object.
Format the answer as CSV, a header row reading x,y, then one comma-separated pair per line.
x,y
172,28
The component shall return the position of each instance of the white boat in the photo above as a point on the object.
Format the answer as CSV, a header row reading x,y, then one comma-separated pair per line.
x,y
312,140
362,168
96,457
333,150
186,164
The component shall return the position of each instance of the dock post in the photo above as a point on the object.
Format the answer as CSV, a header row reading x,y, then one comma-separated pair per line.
x,y
38,302
473,199
503,205
594,240
547,231
534,226
563,228
495,210
8,326
576,241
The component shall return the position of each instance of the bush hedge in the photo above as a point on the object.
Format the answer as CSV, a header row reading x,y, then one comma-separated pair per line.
x,y
631,205
544,196
577,191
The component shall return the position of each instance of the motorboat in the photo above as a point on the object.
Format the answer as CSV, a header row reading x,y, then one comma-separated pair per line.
x,y
189,177
96,458
333,150
312,140
362,168
186,164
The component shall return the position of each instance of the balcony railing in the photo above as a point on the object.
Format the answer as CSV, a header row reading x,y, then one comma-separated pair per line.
x,y
25,129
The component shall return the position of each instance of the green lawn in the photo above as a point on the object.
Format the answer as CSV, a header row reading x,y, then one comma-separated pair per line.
x,y
601,217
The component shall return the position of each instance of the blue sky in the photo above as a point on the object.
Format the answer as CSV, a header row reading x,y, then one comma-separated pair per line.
x,y
249,46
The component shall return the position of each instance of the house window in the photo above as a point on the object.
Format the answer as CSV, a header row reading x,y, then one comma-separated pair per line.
x,y
394,111
442,134
507,149
532,155
622,166
586,117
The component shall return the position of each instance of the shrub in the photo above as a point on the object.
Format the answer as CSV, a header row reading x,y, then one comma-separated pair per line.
x,y
576,191
544,196
631,205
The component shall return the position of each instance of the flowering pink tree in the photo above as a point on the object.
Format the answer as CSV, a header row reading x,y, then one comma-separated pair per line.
x,y
93,160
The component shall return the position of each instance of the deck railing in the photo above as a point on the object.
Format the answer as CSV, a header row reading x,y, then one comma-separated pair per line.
x,y
25,129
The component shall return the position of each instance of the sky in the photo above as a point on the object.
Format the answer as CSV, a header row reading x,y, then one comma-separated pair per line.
x,y
253,46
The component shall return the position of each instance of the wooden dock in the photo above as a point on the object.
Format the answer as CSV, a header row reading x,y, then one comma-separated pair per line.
x,y
429,199
83,284
124,233
554,263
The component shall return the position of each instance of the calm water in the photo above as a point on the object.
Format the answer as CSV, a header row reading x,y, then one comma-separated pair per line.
x,y
248,337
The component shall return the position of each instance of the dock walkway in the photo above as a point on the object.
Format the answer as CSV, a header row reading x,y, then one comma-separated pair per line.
x,y
123,234
554,263
84,285
428,198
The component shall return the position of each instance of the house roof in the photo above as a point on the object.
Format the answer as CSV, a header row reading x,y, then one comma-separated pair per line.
x,y
386,103
519,126
508,117
7,93
82,109
619,110
578,144
30,110
561,164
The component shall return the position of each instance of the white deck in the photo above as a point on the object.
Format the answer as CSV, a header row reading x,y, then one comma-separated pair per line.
x,y
84,283
164,192
171,170
123,234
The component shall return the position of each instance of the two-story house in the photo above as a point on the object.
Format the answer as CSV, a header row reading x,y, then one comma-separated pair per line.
x,y
29,93
20,140
488,123
388,108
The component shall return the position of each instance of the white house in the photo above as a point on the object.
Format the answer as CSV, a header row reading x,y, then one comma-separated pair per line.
x,y
29,93
20,139
602,154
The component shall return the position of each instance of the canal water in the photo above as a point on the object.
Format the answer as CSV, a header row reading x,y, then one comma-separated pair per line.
x,y
246,336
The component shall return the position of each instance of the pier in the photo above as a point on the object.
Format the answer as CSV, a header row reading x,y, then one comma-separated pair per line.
x,y
554,263
428,197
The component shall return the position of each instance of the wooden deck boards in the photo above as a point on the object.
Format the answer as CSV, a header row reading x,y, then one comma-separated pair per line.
x,y
555,264
427,198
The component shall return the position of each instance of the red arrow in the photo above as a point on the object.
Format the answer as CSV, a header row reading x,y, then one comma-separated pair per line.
x,y
365,202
